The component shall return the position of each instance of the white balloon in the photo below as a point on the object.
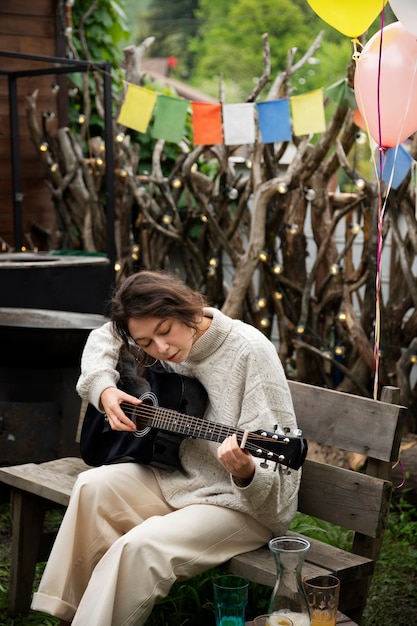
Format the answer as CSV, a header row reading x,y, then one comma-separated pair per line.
x,y
406,13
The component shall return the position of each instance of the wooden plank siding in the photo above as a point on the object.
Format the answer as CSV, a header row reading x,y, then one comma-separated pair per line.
x,y
28,28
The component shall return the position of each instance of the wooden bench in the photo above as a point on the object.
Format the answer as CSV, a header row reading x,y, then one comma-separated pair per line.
x,y
358,501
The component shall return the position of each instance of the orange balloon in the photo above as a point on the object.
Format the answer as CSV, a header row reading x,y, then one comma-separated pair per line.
x,y
394,114
350,17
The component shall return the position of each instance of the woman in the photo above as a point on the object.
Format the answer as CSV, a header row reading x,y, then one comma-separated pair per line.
x,y
132,530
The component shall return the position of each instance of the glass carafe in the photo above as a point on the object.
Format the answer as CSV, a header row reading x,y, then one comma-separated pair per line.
x,y
288,597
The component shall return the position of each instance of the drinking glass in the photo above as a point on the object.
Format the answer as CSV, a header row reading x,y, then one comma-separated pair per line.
x,y
230,599
272,619
323,598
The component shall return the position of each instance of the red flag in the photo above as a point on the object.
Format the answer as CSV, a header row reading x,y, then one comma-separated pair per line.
x,y
207,123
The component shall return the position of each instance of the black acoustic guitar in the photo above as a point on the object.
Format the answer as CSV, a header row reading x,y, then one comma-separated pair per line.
x,y
160,430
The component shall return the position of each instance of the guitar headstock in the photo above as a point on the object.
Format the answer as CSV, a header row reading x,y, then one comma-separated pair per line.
x,y
286,450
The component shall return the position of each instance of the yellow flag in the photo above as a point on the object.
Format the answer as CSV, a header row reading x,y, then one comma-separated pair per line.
x,y
137,108
308,113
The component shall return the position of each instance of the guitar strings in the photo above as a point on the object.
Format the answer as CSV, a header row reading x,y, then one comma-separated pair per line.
x,y
143,412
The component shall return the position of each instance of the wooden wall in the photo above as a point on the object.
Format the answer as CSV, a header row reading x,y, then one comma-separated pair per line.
x,y
31,28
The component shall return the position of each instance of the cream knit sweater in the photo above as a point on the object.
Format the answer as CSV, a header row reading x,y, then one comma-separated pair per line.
x,y
247,389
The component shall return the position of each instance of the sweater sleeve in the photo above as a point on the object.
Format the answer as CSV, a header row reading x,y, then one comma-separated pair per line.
x,y
98,364
267,404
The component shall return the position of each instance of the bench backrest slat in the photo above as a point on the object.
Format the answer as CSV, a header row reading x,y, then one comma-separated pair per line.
x,y
355,501
349,422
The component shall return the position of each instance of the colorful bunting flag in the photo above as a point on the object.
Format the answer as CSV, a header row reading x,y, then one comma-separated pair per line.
x,y
308,113
207,123
233,124
397,163
169,122
137,108
238,123
274,120
341,93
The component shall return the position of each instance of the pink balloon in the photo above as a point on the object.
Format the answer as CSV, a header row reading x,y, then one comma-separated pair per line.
x,y
396,113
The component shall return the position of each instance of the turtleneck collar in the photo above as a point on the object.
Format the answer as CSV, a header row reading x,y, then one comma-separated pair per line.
x,y
213,337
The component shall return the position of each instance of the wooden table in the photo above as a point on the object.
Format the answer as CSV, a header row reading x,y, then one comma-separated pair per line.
x,y
341,619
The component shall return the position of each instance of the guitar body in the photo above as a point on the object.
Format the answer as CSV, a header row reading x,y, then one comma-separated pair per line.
x,y
100,445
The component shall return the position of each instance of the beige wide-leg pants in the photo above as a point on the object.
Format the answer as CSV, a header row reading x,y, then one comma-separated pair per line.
x,y
121,547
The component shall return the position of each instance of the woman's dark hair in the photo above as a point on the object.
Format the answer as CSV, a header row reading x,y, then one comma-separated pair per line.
x,y
154,294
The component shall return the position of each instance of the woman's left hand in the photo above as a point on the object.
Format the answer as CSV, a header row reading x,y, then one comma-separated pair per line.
x,y
236,461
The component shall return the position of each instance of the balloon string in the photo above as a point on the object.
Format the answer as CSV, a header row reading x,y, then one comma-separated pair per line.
x,y
377,339
378,92
403,476
414,182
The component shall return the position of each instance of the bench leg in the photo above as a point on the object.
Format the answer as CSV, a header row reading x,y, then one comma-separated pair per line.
x,y
28,513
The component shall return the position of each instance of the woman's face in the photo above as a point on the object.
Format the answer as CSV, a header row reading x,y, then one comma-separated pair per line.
x,y
166,339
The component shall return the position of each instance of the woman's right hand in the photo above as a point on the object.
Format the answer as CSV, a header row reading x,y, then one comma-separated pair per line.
x,y
110,400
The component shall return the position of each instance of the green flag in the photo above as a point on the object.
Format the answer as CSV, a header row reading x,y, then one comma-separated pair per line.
x,y
169,122
341,93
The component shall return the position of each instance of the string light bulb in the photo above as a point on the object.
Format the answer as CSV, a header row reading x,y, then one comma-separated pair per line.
x,y
360,138
44,146
359,184
262,303
167,219
54,167
278,295
135,252
282,187
194,167
176,183
213,262
355,228
277,269
342,317
293,228
263,256
309,194
117,267
204,218
120,137
232,193
265,322
300,329
81,118
334,269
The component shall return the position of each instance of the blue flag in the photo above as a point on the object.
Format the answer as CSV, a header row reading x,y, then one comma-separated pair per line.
x,y
274,120
399,161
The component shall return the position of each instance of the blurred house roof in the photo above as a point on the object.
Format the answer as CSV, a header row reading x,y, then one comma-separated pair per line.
x,y
158,69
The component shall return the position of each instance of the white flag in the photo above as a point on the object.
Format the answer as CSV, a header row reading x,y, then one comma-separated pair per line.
x,y
238,123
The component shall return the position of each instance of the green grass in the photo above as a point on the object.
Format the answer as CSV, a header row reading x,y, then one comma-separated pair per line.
x,y
392,598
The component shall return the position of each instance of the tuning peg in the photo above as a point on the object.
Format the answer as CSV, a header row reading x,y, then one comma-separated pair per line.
x,y
264,465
